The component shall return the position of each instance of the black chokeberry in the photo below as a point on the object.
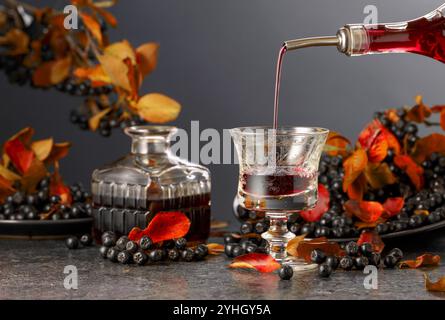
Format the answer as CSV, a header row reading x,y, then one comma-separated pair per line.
x,y
324,270
229,239
374,259
54,199
261,227
72,243
397,253
109,241
124,257
361,262
180,243
145,243
286,272
390,261
246,228
86,239
251,248
173,254
366,249
352,248
188,254
318,256
238,251
131,247
155,255
121,243
140,258
103,251
332,261
346,263
228,249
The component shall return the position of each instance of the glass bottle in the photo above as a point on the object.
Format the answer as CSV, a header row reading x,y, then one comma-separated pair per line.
x,y
130,191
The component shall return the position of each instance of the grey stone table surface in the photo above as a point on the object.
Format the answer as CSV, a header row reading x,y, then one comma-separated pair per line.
x,y
35,270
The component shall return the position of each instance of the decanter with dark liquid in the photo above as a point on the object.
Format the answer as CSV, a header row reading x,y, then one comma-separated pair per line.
x,y
132,190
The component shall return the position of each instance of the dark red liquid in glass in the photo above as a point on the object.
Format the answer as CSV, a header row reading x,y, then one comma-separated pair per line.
x,y
421,36
275,185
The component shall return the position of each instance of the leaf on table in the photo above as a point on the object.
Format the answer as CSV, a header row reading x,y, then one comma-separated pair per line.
x,y
366,211
321,207
259,261
424,147
215,248
158,108
379,175
393,206
52,72
94,121
17,42
305,248
147,57
373,238
425,260
411,168
438,286
419,112
354,165
164,226
93,26
42,148
20,156
292,245
36,172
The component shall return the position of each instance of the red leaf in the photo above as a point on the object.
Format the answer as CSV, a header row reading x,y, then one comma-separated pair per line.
x,y
354,166
425,260
164,226
20,156
373,238
426,146
412,169
378,149
393,206
366,211
260,261
376,139
321,207
369,134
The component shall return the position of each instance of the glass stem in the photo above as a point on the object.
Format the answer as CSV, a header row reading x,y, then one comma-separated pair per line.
x,y
278,235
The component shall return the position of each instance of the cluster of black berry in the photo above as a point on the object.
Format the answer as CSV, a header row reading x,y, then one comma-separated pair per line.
x,y
125,251
237,246
357,256
402,129
73,242
21,206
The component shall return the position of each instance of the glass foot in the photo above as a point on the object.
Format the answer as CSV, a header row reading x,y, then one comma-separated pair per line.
x,y
298,264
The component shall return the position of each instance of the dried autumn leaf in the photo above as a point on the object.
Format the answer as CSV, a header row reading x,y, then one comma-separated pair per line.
x,y
391,115
419,112
321,207
373,238
107,16
366,211
379,175
24,135
95,74
369,134
94,121
36,172
305,248
424,147
260,261
158,108
218,224
425,260
438,286
16,40
58,187
358,188
215,248
164,226
147,57
42,148
52,72
354,165
6,188
21,157
116,70
58,151
393,206
378,149
376,139
292,245
412,169
8,174
93,26
121,50
368,225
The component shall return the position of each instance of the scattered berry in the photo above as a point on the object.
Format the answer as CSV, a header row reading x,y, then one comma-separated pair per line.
x,y
286,272
324,270
318,256
86,240
72,243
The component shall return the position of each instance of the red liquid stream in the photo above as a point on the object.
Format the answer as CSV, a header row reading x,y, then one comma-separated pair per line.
x,y
277,85
421,36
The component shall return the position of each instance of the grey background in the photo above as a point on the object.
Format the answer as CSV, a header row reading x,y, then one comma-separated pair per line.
x,y
218,59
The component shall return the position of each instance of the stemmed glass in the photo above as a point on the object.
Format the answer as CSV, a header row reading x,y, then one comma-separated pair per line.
x,y
278,170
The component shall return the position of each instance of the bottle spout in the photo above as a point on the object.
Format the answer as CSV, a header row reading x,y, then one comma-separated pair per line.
x,y
313,42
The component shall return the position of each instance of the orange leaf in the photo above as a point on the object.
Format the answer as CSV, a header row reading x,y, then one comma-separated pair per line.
x,y
42,148
107,16
305,248
52,72
321,207
8,174
366,211
116,70
373,238
121,50
6,188
378,150
424,147
412,169
393,206
260,261
94,121
438,286
376,139
16,40
292,245
20,156
369,134
93,26
419,112
36,172
425,260
158,108
164,226
147,57
58,187
379,175
215,248
354,165
58,151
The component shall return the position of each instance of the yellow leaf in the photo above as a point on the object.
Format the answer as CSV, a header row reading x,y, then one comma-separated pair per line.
x,y
215,248
95,120
93,26
121,50
8,174
42,148
158,108
36,172
94,74
16,40
147,57
52,72
116,70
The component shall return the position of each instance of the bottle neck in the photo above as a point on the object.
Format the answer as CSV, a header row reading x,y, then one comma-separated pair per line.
x,y
149,146
150,140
